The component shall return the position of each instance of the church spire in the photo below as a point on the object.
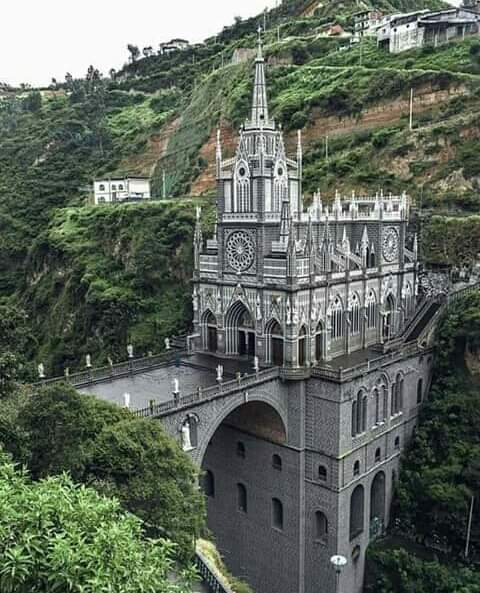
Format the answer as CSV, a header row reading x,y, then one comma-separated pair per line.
x,y
259,104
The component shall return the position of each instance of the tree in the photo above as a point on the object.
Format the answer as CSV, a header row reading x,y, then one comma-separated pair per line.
x,y
134,52
62,537
16,341
106,446
32,102
73,422
140,465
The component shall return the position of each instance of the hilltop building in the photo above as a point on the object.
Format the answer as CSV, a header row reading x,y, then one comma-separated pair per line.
x,y
366,21
173,46
122,189
401,32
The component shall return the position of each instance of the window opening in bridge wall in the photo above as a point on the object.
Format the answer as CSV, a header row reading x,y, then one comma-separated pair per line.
x,y
241,449
356,468
357,503
322,473
277,462
277,514
241,498
397,443
356,554
378,455
420,391
209,484
377,505
321,527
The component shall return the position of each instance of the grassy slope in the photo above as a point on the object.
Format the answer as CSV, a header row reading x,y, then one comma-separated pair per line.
x,y
100,277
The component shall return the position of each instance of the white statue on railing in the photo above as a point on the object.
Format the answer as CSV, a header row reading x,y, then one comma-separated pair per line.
x,y
41,370
186,436
126,400
167,344
88,361
219,373
130,351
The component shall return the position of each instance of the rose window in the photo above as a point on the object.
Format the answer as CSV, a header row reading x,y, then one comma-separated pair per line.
x,y
240,251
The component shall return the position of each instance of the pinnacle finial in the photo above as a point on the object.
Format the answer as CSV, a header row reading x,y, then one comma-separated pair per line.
x,y
259,44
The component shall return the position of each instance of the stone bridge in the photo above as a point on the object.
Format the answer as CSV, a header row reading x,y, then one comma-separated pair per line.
x,y
207,408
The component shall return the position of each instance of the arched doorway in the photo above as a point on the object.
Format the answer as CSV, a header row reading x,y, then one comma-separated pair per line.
x,y
302,347
240,331
389,318
251,434
209,329
274,336
377,506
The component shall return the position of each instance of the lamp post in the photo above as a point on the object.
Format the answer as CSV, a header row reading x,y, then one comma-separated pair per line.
x,y
339,562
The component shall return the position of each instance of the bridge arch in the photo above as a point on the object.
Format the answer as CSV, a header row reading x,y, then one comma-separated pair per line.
x,y
247,412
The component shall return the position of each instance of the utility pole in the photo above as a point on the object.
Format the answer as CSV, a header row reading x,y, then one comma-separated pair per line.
x,y
361,50
411,109
326,148
278,34
164,185
469,528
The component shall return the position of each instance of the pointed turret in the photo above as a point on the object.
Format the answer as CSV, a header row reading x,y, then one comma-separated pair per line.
x,y
299,153
259,104
310,246
198,239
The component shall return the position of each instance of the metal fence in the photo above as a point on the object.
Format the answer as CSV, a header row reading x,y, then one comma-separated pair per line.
x,y
210,576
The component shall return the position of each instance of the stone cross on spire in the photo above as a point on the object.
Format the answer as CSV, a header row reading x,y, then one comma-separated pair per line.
x,y
259,103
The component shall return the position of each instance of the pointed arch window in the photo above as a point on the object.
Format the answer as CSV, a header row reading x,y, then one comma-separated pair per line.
x,y
359,414
337,319
355,315
242,189
371,310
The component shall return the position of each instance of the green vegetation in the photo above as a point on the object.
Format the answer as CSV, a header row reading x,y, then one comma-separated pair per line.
x,y
440,474
107,448
122,271
60,537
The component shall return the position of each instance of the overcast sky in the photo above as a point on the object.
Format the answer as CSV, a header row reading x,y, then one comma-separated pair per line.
x,y
41,39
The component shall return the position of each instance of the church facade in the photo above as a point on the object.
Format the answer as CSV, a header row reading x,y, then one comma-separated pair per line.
x,y
326,293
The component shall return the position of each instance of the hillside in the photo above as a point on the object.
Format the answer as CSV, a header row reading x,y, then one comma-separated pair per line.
x,y
78,271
